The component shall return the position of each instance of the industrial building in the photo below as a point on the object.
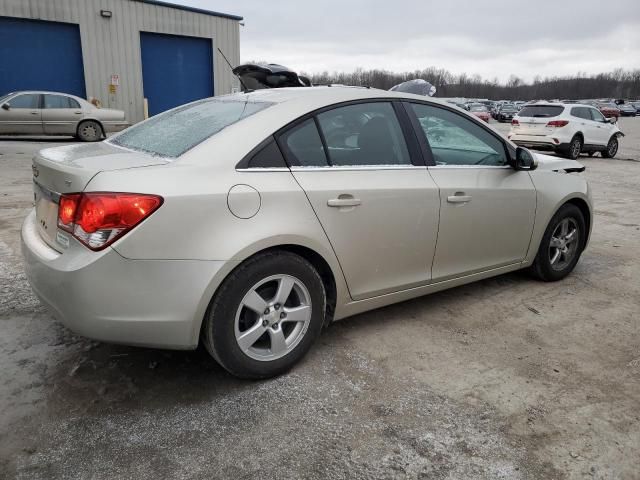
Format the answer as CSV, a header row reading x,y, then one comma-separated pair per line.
x,y
119,52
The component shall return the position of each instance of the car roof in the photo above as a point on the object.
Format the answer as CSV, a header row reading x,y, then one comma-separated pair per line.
x,y
288,105
46,92
327,95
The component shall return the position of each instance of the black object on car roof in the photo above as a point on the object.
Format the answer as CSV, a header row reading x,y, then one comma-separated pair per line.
x,y
256,76
417,86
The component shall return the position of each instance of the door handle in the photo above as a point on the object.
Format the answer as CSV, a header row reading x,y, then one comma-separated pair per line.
x,y
77,113
34,113
344,202
459,197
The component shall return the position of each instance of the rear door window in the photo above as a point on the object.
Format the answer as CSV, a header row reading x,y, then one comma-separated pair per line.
x,y
364,134
303,146
541,111
581,112
56,101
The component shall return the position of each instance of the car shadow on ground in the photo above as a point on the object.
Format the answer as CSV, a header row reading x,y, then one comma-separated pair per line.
x,y
92,377
45,139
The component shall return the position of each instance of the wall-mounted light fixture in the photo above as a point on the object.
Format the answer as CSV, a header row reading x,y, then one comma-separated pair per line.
x,y
106,13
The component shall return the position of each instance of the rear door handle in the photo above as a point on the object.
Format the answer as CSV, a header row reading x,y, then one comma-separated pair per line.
x,y
344,202
459,198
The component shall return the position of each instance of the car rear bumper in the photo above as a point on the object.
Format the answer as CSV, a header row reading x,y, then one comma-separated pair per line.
x,y
113,127
104,296
539,142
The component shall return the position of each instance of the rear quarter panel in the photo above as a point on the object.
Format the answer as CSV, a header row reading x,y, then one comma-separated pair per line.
x,y
195,222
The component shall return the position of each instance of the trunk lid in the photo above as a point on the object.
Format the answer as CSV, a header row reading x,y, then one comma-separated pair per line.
x,y
69,169
532,126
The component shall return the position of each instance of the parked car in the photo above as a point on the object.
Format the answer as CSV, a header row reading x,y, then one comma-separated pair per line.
x,y
568,129
253,220
480,111
636,105
53,113
506,112
609,110
627,110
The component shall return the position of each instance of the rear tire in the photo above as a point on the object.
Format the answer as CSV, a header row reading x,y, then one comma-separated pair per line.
x,y
575,147
260,344
561,245
89,131
612,148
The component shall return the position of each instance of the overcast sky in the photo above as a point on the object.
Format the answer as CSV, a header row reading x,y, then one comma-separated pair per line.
x,y
493,38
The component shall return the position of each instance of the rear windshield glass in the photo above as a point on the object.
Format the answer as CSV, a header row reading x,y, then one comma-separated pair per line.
x,y
172,133
541,111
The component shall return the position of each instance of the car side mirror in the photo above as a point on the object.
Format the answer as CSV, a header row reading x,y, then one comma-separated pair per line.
x,y
611,120
524,160
6,106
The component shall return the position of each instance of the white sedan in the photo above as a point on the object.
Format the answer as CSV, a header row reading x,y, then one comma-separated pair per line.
x,y
250,221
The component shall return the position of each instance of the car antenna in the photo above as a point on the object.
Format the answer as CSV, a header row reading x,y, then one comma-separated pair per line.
x,y
236,75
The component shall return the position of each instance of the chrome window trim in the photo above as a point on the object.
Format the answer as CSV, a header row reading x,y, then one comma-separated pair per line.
x,y
263,169
342,168
471,166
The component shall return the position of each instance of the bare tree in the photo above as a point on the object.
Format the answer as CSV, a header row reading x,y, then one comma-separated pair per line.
x,y
619,83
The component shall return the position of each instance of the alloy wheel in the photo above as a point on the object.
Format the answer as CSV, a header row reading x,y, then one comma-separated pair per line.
x,y
575,148
612,148
564,244
273,317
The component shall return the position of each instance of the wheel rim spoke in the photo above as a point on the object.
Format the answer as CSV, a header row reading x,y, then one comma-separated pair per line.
x,y
251,336
278,342
564,227
284,290
556,256
571,236
298,314
255,302
556,242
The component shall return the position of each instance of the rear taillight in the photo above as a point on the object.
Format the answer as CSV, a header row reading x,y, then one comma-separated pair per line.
x,y
98,219
67,211
515,122
557,123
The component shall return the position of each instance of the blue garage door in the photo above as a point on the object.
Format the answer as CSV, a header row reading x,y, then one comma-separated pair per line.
x,y
37,55
175,70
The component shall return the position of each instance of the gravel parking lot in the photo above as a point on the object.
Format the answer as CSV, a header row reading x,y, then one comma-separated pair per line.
x,y
504,378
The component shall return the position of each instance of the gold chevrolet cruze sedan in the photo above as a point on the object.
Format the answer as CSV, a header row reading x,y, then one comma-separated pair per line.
x,y
248,222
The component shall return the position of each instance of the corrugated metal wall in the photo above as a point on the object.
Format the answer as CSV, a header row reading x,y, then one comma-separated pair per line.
x,y
112,46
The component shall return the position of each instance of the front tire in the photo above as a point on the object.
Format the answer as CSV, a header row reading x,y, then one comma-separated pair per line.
x,y
561,245
612,148
265,316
